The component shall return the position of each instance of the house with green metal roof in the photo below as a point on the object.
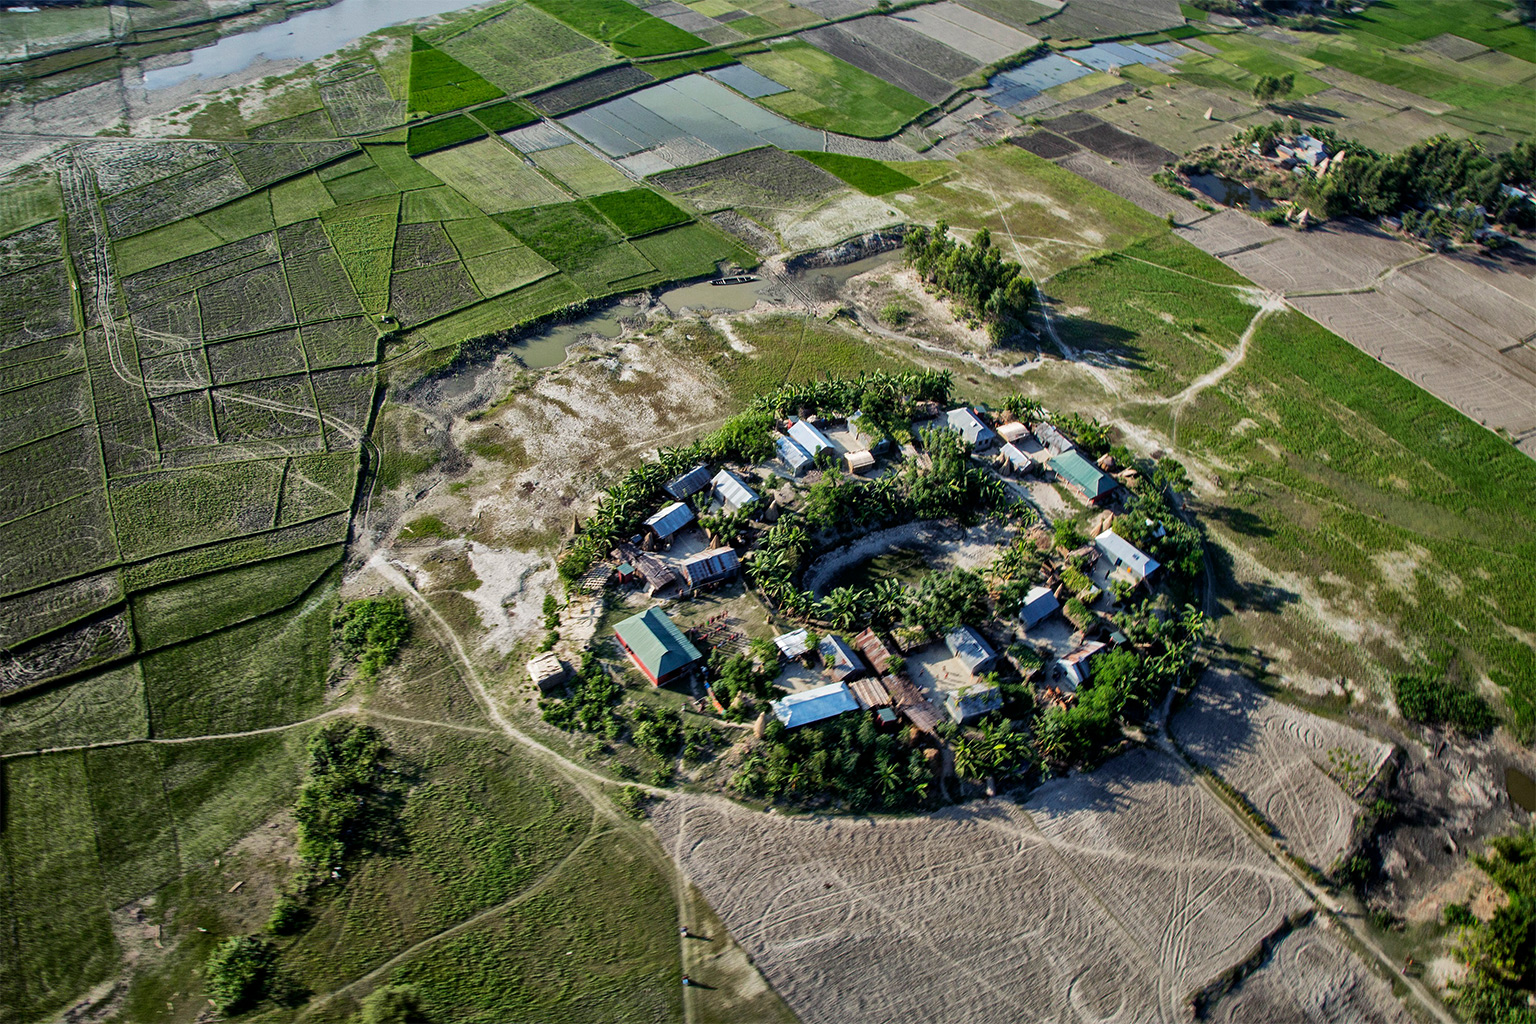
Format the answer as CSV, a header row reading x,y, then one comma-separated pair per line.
x,y
656,646
1092,485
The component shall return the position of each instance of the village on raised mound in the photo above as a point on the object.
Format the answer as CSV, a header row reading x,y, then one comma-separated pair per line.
x,y
767,511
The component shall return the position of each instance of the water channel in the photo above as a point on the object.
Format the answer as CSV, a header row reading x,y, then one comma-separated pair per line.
x,y
303,37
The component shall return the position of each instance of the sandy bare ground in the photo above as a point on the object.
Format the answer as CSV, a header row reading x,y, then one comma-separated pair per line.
x,y
1310,978
1109,896
1278,756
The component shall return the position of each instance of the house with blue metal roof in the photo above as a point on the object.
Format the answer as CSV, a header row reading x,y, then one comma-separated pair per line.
x,y
1129,562
690,483
669,520
808,437
976,433
815,705
1039,604
733,491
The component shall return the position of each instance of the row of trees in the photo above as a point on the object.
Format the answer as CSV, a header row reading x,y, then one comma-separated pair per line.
x,y
974,275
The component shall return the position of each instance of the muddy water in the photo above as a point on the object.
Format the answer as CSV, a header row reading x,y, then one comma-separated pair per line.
x,y
547,347
733,298
1228,192
303,37
1522,789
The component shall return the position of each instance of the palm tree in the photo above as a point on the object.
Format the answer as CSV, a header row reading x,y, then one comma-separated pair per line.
x,y
795,776
841,607
890,778
888,600
969,761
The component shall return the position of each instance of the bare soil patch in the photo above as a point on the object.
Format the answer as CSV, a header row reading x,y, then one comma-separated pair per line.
x,y
563,99
1046,144
1111,895
1310,978
1278,757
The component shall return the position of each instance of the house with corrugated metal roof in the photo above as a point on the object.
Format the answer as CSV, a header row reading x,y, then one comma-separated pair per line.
x,y
1039,604
708,567
793,455
869,644
1129,562
1013,432
808,437
1077,668
841,663
669,520
971,702
814,705
858,462
733,491
690,483
970,426
657,647
1016,457
1052,438
971,650
1086,480
793,645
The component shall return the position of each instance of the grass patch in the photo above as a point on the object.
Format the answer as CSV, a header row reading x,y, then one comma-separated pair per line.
x,y
190,608
562,233
241,218
789,349
218,790
502,313
106,706
396,162
363,235
638,211
58,940
871,177
692,250
832,94
266,672
504,116
498,272
581,171
478,236
296,199
432,136
436,204
164,245
438,83
493,177
27,202
174,509
622,26
135,836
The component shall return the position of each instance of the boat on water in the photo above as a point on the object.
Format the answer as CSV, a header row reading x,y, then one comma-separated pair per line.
x,y
735,279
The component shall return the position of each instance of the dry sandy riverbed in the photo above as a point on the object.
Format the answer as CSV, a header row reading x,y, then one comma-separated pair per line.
x,y
1110,896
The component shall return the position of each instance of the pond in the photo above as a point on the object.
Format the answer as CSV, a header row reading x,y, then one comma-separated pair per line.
x,y
1228,192
903,564
547,347
1522,789
303,37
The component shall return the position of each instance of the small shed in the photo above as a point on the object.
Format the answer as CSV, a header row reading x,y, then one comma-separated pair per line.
x,y
793,645
1092,485
733,492
1013,432
1130,563
972,650
970,426
909,700
627,573
858,462
710,566
1039,604
669,520
656,573
814,705
546,670
690,483
842,664
793,455
1052,438
1016,457
808,437
969,703
657,647
1077,667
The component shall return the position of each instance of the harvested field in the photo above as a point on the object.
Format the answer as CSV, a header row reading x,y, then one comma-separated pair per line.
x,y
361,104
1278,757
1310,977
1105,19
767,178
1113,894
848,44
1047,145
172,198
36,612
979,37
1019,13
594,88
1112,143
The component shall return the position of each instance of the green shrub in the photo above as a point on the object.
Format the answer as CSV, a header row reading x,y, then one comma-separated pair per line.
x,y
339,805
238,971
895,314
392,1004
1458,916
371,632
1437,701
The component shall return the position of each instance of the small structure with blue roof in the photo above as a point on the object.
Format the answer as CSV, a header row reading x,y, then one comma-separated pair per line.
x,y
971,650
690,483
669,520
793,455
1039,604
732,491
976,433
809,438
815,705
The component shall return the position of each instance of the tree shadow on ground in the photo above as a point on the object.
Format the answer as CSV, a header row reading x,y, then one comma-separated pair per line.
x,y
1301,110
1100,344
1234,595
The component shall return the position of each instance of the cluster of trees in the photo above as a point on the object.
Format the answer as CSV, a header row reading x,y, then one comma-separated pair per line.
x,y
371,632
974,276
240,973
737,676
1159,652
1430,697
747,437
845,759
999,749
1272,87
1439,172
593,704
1089,434
1500,985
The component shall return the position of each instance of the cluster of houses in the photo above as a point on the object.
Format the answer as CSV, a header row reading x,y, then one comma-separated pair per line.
x,y
1022,450
1289,153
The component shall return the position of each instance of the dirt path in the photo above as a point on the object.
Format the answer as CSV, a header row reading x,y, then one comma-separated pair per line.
x,y
1272,303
